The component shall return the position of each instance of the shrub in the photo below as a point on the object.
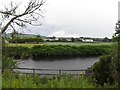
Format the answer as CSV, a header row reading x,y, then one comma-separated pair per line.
x,y
8,62
18,52
102,71
66,50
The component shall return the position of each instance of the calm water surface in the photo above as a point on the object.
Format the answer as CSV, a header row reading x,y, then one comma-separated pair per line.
x,y
70,63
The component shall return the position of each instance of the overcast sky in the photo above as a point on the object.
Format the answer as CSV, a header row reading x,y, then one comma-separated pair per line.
x,y
76,18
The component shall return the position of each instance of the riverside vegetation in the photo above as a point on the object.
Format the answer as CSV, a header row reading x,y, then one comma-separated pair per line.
x,y
39,51
11,80
21,81
102,76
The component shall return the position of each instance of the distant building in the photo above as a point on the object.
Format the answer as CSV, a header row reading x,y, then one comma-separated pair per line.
x,y
87,40
62,39
67,39
50,38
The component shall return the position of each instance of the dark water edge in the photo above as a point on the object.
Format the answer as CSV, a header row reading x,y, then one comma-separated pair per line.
x,y
53,58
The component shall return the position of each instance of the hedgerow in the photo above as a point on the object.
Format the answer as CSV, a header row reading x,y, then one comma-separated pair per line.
x,y
39,51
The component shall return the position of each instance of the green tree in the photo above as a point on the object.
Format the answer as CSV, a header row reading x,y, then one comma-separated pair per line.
x,y
108,67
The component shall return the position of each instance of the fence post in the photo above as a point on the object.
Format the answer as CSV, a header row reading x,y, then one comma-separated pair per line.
x,y
88,72
33,71
60,72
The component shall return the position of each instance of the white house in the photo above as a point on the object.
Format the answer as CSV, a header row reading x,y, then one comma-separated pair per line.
x,y
87,40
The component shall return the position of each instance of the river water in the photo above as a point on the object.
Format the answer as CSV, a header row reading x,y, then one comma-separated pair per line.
x,y
67,63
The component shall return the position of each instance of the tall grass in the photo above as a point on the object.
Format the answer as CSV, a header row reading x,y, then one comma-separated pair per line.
x,y
11,80
21,81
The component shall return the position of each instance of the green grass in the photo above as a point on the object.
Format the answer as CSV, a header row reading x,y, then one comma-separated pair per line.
x,y
75,43
0,81
57,43
23,45
10,80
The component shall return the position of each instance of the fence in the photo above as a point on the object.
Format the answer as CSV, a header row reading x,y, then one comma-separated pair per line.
x,y
58,72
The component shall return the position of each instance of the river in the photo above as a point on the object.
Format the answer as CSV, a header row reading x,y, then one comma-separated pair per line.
x,y
67,63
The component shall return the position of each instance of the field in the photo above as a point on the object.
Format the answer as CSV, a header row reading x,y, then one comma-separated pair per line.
x,y
57,43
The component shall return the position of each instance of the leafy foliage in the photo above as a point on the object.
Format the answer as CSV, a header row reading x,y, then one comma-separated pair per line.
x,y
66,50
116,55
107,70
38,51
8,62
102,71
17,52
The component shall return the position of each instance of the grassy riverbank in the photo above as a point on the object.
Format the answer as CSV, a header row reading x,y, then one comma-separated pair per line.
x,y
39,51
67,50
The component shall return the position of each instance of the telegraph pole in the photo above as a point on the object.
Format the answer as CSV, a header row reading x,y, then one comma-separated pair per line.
x,y
118,48
118,55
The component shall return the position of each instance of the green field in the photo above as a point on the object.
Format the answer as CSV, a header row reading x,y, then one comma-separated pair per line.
x,y
75,43
23,45
57,43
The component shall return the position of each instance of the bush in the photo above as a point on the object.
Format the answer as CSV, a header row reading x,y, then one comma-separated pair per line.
x,y
102,71
18,52
66,50
8,62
